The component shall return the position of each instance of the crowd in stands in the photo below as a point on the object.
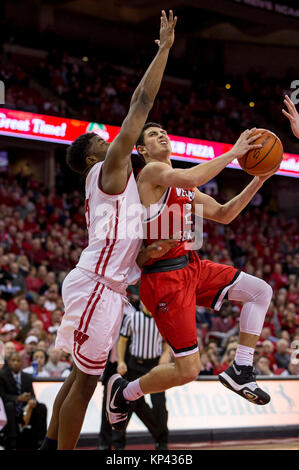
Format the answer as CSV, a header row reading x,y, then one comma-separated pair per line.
x,y
42,233
90,89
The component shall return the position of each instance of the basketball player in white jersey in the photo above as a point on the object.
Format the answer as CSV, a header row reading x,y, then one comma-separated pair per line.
x,y
93,293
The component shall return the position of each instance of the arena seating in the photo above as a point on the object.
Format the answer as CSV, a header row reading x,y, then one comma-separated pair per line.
x,y
41,238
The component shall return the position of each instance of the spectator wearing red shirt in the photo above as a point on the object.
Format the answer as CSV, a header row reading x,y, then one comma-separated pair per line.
x,y
30,224
228,358
278,279
37,255
55,216
268,350
27,243
79,217
50,250
267,256
43,314
8,333
267,272
59,262
33,283
289,322
293,295
269,322
17,245
42,273
213,356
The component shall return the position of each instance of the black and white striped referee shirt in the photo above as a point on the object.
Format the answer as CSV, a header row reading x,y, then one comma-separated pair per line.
x,y
146,341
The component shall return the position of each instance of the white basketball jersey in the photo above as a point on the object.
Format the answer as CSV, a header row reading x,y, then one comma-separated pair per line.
x,y
114,230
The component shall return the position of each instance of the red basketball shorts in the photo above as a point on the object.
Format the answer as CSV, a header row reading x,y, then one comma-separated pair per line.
x,y
172,297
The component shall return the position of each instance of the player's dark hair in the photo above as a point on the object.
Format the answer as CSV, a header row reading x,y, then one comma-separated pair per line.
x,y
78,151
140,140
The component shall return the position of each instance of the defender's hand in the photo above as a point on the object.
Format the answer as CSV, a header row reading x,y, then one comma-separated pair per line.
x,y
166,30
292,115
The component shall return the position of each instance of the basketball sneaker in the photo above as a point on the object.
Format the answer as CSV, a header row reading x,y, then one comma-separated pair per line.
x,y
117,407
242,380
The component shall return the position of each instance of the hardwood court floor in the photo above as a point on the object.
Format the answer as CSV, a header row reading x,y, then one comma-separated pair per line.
x,y
258,444
265,444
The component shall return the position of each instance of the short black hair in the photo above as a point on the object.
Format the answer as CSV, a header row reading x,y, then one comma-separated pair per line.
x,y
140,140
78,151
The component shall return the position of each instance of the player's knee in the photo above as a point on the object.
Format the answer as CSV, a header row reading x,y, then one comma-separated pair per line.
x,y
86,387
268,291
265,291
189,375
260,291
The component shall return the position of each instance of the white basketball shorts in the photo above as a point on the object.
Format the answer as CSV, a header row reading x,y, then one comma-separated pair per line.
x,y
91,322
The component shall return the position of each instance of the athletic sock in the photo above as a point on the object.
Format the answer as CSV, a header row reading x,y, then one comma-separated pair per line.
x,y
133,391
244,355
48,444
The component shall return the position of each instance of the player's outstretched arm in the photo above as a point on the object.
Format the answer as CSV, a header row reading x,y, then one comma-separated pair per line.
x,y
292,115
117,164
226,213
162,174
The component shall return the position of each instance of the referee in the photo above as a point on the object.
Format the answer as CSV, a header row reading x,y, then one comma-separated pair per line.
x,y
146,350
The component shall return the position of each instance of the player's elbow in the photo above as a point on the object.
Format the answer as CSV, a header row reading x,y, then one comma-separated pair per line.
x,y
226,220
198,179
223,216
144,99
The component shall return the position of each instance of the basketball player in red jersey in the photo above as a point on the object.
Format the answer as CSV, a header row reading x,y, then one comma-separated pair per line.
x,y
94,292
172,286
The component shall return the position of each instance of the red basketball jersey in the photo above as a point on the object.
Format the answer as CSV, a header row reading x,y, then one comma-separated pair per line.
x,y
170,217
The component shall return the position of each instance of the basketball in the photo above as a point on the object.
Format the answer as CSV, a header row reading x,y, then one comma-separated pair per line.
x,y
261,161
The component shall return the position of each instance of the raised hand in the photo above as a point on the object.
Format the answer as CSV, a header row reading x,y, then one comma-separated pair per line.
x,y
292,115
166,30
245,142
